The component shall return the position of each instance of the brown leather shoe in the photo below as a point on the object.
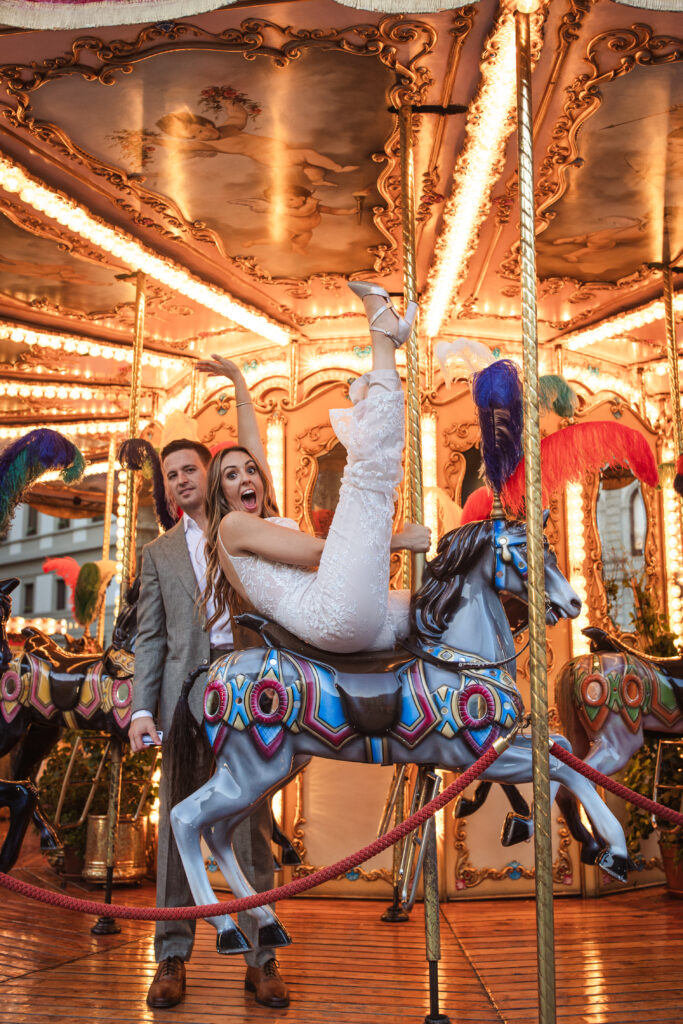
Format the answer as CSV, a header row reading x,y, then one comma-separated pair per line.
x,y
267,985
168,987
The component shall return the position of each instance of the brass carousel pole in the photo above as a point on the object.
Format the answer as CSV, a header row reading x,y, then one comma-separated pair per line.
x,y
672,354
430,881
106,925
106,535
534,515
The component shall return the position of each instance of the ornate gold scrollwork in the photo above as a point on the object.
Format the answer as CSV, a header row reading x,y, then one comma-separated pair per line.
x,y
399,42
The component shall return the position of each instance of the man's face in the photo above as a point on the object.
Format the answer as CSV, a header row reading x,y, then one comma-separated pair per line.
x,y
185,476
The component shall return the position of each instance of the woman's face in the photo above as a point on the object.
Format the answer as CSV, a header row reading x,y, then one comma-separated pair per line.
x,y
241,483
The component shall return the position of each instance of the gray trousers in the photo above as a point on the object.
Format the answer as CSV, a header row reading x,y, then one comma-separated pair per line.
x,y
253,851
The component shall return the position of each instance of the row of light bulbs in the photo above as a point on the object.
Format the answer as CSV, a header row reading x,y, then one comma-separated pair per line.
x,y
619,326
15,389
577,555
86,347
121,245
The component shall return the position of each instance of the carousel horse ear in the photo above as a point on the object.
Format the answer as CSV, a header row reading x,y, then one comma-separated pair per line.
x,y
546,517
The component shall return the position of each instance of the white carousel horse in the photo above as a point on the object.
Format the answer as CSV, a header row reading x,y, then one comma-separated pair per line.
x,y
269,710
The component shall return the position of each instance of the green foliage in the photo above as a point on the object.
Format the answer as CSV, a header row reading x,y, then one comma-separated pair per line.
x,y
649,623
86,592
134,771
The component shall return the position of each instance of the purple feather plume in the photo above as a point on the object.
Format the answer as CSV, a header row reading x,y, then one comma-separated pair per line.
x,y
497,393
138,454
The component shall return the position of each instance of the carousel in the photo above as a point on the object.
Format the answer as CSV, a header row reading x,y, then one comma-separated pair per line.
x,y
180,179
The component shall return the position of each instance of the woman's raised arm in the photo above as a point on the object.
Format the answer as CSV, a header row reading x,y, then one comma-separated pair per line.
x,y
247,428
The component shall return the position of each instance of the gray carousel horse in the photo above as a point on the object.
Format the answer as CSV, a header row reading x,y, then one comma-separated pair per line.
x,y
443,701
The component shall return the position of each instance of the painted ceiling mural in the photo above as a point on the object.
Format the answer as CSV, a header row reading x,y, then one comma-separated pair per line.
x,y
258,147
277,165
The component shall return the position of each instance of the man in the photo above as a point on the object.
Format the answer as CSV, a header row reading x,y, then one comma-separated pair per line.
x,y
171,642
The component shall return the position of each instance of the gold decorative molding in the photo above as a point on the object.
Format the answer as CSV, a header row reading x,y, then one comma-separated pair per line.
x,y
467,876
298,842
399,42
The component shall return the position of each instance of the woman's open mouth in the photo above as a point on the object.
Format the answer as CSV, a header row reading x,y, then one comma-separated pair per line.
x,y
248,499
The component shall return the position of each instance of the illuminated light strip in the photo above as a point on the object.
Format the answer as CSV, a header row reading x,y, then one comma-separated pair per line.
x,y
275,453
577,555
15,389
431,507
617,326
120,531
15,624
92,469
673,551
13,178
489,124
70,429
176,404
87,347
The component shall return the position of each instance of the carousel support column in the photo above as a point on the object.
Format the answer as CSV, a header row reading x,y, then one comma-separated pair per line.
x,y
672,354
430,879
534,513
106,536
107,925
293,372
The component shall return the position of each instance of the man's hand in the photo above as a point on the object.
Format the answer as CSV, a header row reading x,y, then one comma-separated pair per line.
x,y
412,537
144,725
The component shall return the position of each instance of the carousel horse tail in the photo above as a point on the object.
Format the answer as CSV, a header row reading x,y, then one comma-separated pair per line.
x,y
187,751
138,454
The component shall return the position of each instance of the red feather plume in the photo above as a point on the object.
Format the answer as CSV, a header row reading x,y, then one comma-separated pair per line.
x,y
478,506
584,448
68,568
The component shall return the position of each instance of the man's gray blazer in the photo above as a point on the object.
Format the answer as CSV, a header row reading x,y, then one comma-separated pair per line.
x,y
171,640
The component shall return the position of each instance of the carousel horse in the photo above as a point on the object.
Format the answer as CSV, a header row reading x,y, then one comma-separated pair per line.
x,y
45,688
442,701
608,700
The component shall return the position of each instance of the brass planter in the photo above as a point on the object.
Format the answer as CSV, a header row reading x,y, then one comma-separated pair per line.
x,y
130,854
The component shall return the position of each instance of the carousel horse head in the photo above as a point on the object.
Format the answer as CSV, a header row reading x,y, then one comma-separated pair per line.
x,y
494,551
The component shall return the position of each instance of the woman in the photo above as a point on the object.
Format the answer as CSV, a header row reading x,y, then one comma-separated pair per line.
x,y
346,605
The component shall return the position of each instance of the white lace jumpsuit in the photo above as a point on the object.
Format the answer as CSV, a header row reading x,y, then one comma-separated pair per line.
x,y
346,605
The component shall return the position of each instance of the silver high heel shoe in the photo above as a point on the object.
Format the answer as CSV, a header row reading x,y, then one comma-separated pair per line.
x,y
403,327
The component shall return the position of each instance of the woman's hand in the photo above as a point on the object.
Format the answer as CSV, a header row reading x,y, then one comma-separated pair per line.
x,y
219,366
412,537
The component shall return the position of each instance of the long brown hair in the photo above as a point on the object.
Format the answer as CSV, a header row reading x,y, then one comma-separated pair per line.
x,y
215,507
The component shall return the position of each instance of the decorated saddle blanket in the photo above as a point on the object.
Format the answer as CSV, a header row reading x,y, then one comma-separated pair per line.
x,y
268,691
618,683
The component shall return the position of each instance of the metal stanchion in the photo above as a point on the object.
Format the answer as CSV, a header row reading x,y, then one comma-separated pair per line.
x,y
395,913
106,925
534,514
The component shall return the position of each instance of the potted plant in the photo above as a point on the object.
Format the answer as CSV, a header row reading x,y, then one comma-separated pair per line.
x,y
640,776
134,772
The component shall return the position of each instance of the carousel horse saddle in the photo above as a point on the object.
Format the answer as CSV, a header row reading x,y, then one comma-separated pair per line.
x,y
360,663
670,667
372,705
67,669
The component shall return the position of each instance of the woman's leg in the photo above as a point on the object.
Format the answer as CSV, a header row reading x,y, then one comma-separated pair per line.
x,y
348,605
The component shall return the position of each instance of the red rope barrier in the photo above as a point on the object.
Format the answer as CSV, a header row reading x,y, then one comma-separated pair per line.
x,y
615,787
272,895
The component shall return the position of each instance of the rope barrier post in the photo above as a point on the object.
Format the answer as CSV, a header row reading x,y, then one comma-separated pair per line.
x,y
534,514
106,925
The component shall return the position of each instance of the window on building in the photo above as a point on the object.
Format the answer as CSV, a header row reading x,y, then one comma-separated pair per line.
x,y
28,599
32,521
60,597
63,524
97,519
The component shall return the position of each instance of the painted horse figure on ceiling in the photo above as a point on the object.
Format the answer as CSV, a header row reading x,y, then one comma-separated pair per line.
x,y
444,701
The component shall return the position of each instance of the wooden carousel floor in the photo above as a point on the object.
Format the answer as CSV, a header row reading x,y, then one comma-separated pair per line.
x,y
618,962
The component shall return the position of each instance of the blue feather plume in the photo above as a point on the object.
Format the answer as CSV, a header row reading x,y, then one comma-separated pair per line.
x,y
23,461
138,454
497,393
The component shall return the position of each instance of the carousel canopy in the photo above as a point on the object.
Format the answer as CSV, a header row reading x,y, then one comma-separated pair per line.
x,y
246,159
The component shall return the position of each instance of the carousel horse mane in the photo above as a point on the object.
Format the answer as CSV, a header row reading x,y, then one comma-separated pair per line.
x,y
444,577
